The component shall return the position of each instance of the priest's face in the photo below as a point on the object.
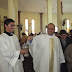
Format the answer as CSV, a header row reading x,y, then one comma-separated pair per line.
x,y
50,29
10,27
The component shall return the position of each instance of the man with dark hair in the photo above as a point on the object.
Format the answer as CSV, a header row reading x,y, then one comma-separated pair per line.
x,y
71,32
23,34
10,52
46,51
65,41
7,21
62,32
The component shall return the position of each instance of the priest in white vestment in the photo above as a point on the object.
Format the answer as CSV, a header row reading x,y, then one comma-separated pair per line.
x,y
46,51
10,54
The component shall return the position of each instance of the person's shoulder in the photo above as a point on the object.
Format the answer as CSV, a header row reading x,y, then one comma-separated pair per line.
x,y
70,45
40,36
2,36
14,35
56,38
69,48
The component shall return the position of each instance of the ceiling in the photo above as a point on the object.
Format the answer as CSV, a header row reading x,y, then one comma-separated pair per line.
x,y
39,6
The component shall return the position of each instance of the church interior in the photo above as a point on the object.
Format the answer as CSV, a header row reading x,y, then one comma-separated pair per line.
x,y
38,12
32,18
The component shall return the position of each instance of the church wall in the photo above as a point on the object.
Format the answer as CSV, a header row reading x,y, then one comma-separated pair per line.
x,y
36,17
68,16
30,16
3,12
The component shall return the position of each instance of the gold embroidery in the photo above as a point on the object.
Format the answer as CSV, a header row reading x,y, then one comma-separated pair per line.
x,y
51,56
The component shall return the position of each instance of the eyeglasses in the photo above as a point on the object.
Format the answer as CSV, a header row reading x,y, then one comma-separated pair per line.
x,y
11,25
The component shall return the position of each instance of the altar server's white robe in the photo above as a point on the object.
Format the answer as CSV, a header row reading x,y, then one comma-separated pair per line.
x,y
40,52
9,53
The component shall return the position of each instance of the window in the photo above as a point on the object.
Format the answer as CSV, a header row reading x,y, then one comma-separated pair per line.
x,y
33,26
68,25
56,29
26,27
46,30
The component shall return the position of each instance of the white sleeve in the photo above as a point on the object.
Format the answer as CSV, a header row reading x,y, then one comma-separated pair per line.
x,y
10,56
32,47
18,47
22,58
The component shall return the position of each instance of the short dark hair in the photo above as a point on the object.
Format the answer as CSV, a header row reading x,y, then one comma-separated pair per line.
x,y
23,33
71,31
31,34
55,32
7,21
51,24
62,32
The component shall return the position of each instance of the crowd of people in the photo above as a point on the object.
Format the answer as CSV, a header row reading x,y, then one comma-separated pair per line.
x,y
66,43
51,52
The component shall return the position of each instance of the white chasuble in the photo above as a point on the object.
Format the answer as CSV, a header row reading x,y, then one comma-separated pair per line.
x,y
47,53
9,53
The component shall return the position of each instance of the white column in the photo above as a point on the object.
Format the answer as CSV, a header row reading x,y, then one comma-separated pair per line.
x,y
11,9
16,16
59,15
49,11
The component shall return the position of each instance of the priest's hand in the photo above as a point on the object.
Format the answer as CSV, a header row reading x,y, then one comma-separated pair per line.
x,y
23,51
29,38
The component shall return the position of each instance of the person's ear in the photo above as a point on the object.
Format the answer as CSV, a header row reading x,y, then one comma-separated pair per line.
x,y
5,26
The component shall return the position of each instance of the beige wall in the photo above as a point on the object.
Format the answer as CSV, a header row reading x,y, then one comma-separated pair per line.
x,y
36,17
3,12
44,21
54,20
30,16
68,17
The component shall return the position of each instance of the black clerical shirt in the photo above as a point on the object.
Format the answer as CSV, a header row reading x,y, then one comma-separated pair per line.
x,y
9,33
